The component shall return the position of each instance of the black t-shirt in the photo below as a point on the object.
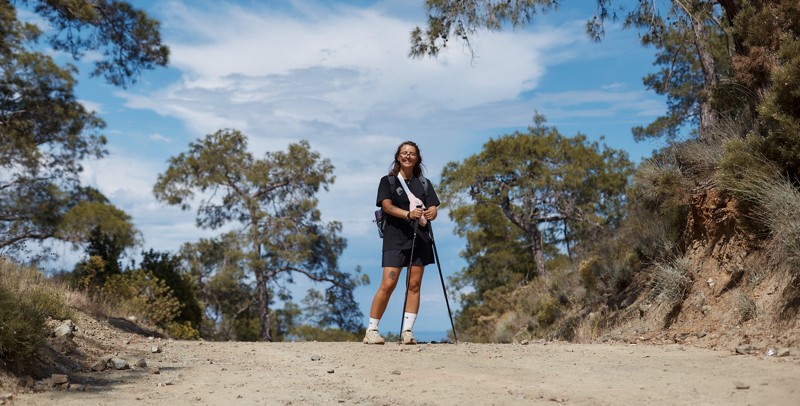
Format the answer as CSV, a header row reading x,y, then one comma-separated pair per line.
x,y
398,233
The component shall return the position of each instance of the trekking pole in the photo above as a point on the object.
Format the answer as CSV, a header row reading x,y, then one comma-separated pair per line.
x,y
441,277
408,277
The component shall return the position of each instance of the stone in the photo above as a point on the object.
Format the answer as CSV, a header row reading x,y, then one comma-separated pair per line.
x,y
784,352
155,349
100,365
141,363
66,329
154,371
58,379
316,357
741,385
118,363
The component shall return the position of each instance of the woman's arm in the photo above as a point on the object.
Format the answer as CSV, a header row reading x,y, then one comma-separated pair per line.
x,y
395,211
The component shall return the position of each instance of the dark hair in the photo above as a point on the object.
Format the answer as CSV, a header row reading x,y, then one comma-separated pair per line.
x,y
395,167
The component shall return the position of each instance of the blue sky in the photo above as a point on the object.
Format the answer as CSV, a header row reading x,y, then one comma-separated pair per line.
x,y
337,74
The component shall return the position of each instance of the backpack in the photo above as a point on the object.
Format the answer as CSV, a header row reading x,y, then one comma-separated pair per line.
x,y
380,215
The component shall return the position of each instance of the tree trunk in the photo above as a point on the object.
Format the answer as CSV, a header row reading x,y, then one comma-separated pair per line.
x,y
708,116
262,295
263,305
538,252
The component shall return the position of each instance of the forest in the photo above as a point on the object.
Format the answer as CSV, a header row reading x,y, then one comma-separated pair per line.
x,y
566,238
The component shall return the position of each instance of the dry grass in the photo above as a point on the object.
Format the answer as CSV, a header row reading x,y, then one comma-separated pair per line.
x,y
776,204
701,158
745,306
671,282
27,300
659,181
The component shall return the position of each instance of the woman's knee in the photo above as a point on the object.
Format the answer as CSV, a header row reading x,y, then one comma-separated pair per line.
x,y
414,286
387,286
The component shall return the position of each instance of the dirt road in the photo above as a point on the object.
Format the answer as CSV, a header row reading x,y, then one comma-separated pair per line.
x,y
435,374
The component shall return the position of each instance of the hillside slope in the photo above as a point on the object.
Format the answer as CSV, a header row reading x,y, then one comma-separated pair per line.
x,y
740,295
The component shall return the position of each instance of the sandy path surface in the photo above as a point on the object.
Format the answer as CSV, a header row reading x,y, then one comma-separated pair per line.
x,y
207,373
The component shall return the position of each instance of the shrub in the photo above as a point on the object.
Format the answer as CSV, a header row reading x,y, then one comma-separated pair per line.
x,y
142,295
305,332
181,331
745,306
659,183
548,310
87,273
27,299
773,201
588,269
671,282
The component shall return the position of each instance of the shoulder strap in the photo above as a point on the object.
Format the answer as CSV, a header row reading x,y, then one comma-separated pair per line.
x,y
393,179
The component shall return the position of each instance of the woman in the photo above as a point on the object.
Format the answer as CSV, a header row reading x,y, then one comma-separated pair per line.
x,y
398,237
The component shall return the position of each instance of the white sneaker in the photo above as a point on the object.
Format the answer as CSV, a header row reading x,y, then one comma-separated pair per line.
x,y
372,337
407,337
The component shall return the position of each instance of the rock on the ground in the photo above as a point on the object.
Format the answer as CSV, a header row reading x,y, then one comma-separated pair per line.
x,y
58,379
66,329
118,363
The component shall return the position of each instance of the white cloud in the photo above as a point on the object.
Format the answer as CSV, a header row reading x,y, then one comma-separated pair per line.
x,y
92,106
159,137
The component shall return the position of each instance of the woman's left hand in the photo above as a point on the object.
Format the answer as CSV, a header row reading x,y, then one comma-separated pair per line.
x,y
429,213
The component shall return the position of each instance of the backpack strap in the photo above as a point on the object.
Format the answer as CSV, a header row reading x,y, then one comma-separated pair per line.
x,y
393,183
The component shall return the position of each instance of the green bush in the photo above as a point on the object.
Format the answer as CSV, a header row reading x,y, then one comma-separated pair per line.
x,y
143,295
588,270
305,332
548,310
182,331
27,299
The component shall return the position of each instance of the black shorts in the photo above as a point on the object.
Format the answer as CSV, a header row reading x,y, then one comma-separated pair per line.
x,y
423,255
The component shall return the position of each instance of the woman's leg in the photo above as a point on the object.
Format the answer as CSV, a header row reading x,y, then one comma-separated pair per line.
x,y
381,299
414,285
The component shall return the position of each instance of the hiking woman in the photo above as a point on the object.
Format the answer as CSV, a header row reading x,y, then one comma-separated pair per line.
x,y
406,214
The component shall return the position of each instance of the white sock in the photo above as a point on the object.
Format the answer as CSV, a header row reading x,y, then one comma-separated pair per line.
x,y
408,321
373,324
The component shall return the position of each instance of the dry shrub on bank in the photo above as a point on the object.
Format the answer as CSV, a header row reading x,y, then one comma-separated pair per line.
x,y
671,282
27,300
774,203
